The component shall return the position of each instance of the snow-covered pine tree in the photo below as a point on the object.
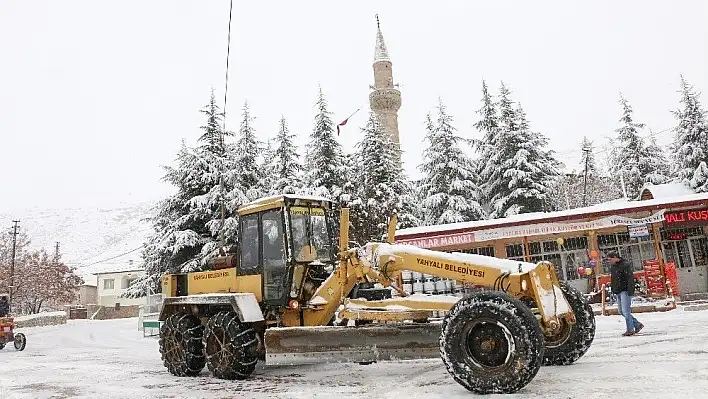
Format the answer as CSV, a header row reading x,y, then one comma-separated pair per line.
x,y
188,223
654,163
324,170
488,126
383,189
286,162
449,186
635,159
690,147
267,167
519,171
246,175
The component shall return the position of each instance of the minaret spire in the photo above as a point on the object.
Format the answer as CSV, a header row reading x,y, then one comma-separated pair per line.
x,y
385,98
380,53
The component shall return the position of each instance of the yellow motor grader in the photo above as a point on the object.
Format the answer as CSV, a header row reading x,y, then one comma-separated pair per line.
x,y
287,294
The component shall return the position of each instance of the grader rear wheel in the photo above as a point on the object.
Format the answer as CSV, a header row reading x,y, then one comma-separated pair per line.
x,y
181,345
491,343
572,341
231,347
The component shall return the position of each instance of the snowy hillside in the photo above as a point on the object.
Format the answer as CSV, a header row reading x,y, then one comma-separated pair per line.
x,y
88,236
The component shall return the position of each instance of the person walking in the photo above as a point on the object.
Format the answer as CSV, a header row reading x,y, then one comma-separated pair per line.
x,y
622,285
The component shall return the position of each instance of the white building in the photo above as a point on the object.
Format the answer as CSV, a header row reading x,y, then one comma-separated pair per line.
x,y
114,281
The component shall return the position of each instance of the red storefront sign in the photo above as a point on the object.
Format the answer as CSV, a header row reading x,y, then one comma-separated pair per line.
x,y
441,241
694,216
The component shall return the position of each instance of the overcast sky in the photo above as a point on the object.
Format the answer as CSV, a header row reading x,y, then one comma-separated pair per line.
x,y
96,96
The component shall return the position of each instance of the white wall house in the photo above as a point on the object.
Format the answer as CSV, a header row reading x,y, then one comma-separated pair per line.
x,y
114,282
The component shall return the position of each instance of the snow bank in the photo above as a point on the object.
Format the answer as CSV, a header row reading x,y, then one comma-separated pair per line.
x,y
41,319
111,359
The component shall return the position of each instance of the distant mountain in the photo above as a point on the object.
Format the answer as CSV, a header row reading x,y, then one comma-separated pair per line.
x,y
90,239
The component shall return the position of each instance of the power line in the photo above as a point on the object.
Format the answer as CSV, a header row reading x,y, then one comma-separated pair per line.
x,y
113,257
569,152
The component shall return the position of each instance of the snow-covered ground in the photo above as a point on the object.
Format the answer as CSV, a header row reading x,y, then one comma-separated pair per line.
x,y
111,359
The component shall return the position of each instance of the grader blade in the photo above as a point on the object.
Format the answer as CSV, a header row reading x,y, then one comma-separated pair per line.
x,y
309,345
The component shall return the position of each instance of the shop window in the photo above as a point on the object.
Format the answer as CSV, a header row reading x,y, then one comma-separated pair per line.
x,y
565,258
634,250
486,251
515,251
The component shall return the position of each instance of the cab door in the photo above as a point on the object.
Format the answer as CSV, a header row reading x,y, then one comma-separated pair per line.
x,y
276,274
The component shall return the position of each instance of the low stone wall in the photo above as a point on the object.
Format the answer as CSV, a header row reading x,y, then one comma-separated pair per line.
x,y
97,312
41,319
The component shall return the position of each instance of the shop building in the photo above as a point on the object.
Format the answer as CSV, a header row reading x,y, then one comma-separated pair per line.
x,y
668,223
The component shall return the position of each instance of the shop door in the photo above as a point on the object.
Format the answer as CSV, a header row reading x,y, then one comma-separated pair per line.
x,y
571,261
691,257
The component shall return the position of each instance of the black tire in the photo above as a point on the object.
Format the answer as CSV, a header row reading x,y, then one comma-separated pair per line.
x,y
181,345
573,341
231,347
498,319
20,341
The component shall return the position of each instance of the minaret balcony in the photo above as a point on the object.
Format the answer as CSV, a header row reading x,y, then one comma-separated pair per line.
x,y
387,99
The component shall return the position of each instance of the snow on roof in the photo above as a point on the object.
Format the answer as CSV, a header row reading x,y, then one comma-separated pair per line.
x,y
90,280
380,52
667,190
605,208
122,268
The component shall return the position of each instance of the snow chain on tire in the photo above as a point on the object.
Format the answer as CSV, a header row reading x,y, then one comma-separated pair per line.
x,y
574,340
181,345
491,343
231,347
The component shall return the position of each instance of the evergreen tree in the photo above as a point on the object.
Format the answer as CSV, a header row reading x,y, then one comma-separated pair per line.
x,y
247,176
188,223
286,166
690,147
627,151
449,186
487,125
655,165
518,172
384,189
324,160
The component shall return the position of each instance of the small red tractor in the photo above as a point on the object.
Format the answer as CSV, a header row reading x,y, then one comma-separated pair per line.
x,y
7,325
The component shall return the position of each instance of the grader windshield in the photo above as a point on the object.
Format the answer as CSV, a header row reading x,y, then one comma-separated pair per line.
x,y
310,234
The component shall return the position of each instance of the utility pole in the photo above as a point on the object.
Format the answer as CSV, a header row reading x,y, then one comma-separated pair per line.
x,y
586,150
12,262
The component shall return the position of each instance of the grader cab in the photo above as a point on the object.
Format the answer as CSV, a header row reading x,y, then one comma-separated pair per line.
x,y
286,293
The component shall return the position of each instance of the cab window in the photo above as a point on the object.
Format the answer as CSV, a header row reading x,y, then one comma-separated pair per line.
x,y
249,244
309,227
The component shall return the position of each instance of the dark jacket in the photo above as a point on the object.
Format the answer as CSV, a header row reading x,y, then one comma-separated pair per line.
x,y
622,277
4,308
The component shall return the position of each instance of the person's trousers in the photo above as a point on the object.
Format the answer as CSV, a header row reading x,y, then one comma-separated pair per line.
x,y
624,306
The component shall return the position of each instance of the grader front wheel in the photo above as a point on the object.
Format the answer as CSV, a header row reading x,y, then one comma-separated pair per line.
x,y
491,343
181,345
572,340
231,347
